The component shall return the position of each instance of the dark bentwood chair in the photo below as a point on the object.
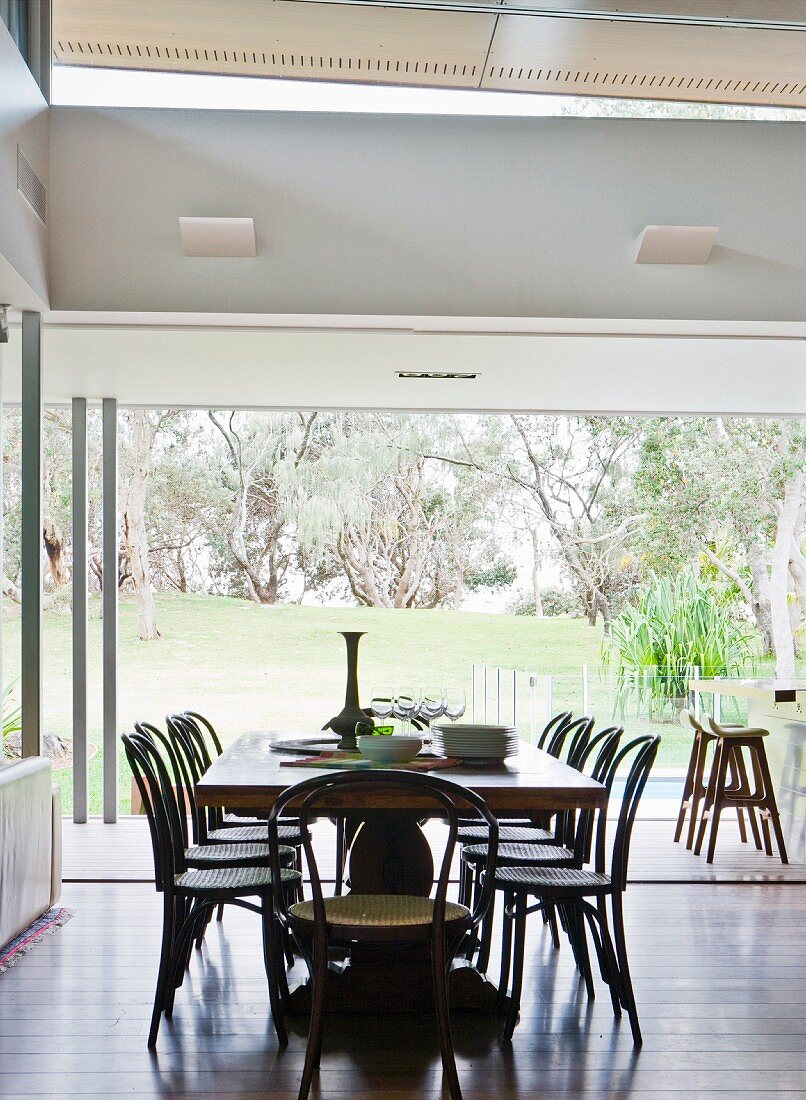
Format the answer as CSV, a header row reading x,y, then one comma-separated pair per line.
x,y
523,830
209,824
204,852
380,919
570,889
189,895
570,846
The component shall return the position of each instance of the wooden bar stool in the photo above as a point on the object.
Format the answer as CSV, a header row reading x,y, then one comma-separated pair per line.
x,y
695,786
730,744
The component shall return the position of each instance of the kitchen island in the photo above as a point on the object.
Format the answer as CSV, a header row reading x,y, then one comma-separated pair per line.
x,y
780,707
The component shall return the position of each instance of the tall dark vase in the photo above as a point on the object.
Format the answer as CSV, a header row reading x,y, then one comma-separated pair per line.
x,y
345,722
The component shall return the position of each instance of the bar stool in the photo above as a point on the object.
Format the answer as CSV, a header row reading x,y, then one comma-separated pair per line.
x,y
731,742
695,786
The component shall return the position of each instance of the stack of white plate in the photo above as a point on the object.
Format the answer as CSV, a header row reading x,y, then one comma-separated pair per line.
x,y
474,742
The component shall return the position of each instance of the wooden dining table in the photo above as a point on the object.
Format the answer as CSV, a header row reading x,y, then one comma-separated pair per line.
x,y
393,855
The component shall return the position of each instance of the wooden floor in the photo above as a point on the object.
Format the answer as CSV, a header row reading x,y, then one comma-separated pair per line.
x,y
122,852
719,970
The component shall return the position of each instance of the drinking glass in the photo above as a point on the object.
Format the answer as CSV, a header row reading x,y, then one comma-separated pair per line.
x,y
406,705
455,703
382,702
432,704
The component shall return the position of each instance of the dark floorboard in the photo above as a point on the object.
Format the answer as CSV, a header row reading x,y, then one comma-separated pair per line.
x,y
719,971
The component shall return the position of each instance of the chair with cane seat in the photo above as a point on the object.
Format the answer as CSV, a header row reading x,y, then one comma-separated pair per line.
x,y
391,920
189,895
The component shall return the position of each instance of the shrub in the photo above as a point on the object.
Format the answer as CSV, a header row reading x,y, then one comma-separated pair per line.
x,y
676,624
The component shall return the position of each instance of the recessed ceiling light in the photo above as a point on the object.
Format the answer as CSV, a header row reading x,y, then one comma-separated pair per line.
x,y
433,374
218,236
675,244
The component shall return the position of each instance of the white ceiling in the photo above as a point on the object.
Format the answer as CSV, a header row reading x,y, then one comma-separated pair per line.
x,y
342,368
365,214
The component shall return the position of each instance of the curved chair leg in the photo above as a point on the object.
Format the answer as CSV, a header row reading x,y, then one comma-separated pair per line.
x,y
273,959
485,943
519,948
166,956
312,1050
442,1006
607,962
580,936
708,803
628,997
551,920
182,950
716,810
506,951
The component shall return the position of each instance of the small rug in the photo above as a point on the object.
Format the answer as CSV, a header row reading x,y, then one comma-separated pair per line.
x,y
44,926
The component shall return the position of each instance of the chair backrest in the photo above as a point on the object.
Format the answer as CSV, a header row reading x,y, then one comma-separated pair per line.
x,y
575,735
313,797
641,752
210,738
552,726
194,762
182,787
575,827
154,784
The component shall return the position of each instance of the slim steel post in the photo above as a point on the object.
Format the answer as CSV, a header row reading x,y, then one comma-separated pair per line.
x,y
31,535
80,610
110,607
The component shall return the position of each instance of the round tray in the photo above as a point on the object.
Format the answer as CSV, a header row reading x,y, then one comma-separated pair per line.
x,y
308,746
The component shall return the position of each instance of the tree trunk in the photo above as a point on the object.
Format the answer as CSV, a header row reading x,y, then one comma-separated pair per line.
x,y
538,597
779,579
54,547
760,602
134,526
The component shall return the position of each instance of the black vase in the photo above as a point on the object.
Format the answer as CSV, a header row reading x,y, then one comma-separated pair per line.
x,y
345,722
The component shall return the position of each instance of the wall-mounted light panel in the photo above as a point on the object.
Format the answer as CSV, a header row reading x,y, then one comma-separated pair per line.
x,y
675,244
218,236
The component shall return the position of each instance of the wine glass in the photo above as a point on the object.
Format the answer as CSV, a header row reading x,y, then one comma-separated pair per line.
x,y
382,702
455,703
432,704
406,705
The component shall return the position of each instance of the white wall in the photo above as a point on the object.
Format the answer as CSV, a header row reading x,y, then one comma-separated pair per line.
x,y
23,238
426,215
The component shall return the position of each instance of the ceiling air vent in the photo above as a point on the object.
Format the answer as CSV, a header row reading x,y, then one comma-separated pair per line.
x,y
31,187
434,374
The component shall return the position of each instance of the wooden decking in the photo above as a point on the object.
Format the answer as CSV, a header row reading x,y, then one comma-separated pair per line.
x,y
719,972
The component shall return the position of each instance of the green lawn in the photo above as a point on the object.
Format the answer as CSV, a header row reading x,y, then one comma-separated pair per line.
x,y
250,667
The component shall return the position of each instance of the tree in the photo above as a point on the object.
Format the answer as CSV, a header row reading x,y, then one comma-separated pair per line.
x,y
731,490
144,427
571,471
260,450
406,530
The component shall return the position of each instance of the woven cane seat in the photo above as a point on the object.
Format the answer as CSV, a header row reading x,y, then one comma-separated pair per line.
x,y
379,911
529,855
240,880
245,834
529,834
538,880
234,854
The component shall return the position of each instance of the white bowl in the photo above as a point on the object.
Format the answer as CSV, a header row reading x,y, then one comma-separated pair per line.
x,y
394,749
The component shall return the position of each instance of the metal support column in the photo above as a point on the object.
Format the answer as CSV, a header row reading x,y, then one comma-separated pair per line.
x,y
110,607
31,535
80,610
